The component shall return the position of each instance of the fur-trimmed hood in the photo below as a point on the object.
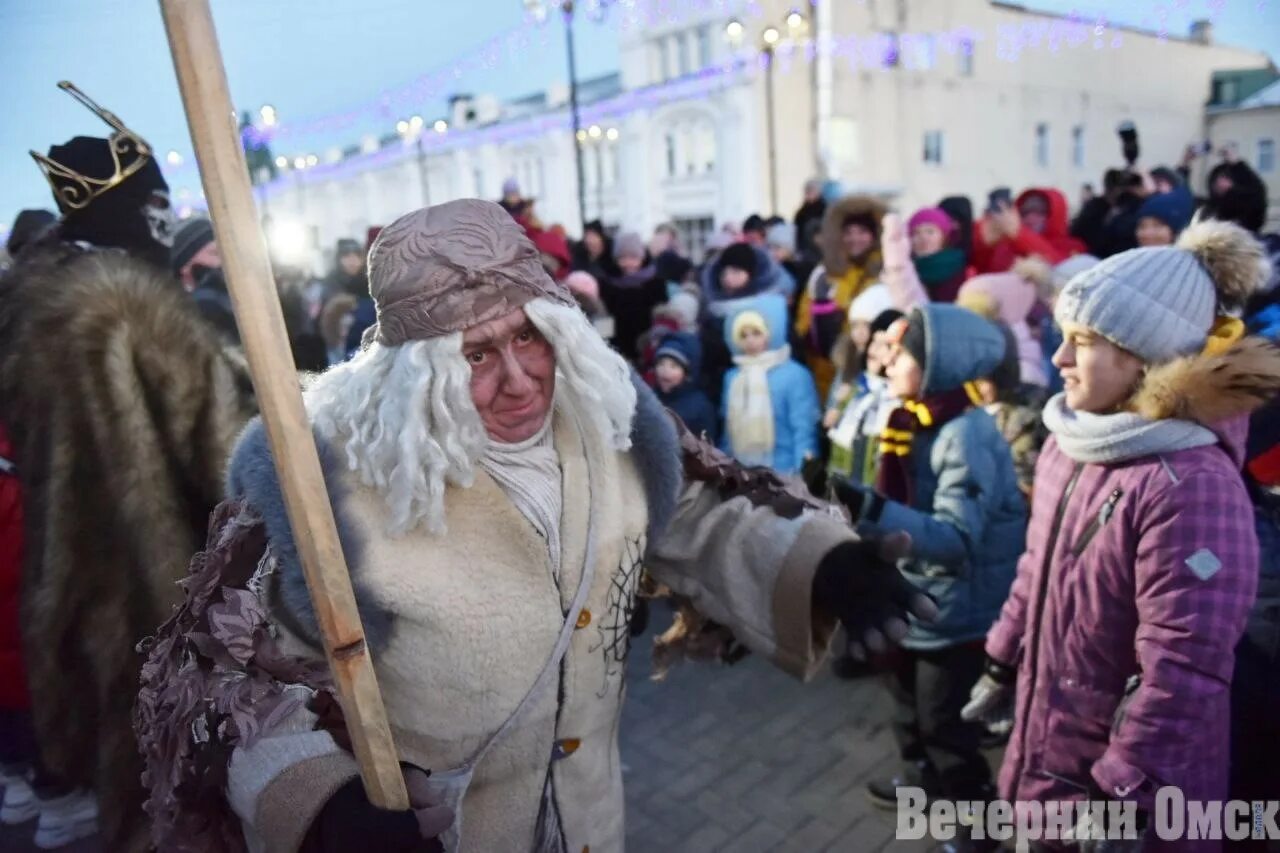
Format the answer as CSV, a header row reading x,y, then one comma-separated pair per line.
x,y
1214,391
833,256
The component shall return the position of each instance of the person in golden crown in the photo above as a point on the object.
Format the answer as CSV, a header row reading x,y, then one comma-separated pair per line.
x,y
123,408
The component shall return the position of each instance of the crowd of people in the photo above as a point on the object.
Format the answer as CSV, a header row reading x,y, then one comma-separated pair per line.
x,y
1074,420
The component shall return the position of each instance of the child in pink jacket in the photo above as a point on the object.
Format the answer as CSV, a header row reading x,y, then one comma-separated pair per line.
x,y
1115,647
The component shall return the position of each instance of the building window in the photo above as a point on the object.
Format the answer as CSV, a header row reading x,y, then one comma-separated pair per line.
x,y
664,60
964,58
704,146
933,146
704,46
694,233
1266,155
671,154
682,54
918,51
1077,146
1042,144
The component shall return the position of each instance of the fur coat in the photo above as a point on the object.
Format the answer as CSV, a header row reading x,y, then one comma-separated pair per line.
x,y
124,409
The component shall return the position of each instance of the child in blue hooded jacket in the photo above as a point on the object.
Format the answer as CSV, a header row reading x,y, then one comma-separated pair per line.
x,y
946,477
770,403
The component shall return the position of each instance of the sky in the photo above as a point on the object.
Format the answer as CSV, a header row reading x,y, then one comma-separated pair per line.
x,y
311,58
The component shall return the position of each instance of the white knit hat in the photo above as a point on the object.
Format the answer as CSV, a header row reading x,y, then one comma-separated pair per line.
x,y
870,303
1160,303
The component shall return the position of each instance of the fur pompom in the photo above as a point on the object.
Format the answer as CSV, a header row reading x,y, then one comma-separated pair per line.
x,y
1233,257
1208,389
1037,271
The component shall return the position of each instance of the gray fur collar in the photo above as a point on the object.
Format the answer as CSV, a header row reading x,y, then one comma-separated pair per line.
x,y
251,475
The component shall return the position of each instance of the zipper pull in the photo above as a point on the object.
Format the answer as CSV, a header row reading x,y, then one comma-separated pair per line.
x,y
1104,515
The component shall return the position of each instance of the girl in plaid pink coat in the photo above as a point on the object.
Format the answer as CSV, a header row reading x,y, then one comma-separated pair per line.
x,y
1115,646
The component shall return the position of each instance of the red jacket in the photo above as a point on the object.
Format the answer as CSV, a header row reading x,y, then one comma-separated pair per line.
x,y
13,677
1054,244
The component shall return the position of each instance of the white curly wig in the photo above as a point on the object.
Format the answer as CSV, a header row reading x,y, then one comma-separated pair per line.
x,y
403,420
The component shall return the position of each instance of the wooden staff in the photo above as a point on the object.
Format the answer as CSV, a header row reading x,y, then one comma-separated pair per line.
x,y
205,96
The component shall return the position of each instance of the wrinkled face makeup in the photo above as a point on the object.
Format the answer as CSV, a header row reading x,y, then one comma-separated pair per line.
x,y
1097,376
160,218
513,376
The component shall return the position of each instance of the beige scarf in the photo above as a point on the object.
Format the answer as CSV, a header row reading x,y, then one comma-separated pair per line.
x,y
750,415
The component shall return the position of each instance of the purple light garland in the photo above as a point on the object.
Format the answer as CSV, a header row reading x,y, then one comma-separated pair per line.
x,y
876,51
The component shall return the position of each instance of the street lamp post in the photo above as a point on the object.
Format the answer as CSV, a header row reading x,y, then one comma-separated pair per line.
x,y
412,129
538,10
770,38
567,8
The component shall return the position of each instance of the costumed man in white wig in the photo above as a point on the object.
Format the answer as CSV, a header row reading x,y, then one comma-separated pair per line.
x,y
499,478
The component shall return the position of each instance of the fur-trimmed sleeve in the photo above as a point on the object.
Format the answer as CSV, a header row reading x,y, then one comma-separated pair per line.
x,y
743,548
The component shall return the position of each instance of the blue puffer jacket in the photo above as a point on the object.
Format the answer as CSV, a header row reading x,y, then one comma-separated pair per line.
x,y
968,522
791,390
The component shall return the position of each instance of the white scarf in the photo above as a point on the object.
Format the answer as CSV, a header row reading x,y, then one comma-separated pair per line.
x,y
863,415
750,415
1118,437
529,474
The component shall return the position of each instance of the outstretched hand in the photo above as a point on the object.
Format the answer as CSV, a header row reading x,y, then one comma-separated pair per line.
x,y
895,247
859,584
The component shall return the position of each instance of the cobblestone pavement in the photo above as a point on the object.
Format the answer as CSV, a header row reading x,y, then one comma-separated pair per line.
x,y
745,758
740,758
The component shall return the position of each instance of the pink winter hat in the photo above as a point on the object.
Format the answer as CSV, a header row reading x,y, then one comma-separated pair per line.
x,y
583,284
931,216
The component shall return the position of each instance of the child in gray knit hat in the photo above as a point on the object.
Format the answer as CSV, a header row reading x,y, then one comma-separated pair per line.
x,y
1119,636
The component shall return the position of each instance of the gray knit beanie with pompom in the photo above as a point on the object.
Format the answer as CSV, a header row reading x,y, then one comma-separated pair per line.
x,y
1160,303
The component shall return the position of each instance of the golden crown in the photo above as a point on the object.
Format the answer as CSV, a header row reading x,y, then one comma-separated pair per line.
x,y
129,153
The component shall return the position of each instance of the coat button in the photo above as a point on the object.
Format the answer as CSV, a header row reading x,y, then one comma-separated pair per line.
x,y
584,618
567,747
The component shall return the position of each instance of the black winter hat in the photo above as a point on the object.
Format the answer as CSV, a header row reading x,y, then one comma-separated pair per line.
x,y
116,216
191,236
28,225
740,256
885,319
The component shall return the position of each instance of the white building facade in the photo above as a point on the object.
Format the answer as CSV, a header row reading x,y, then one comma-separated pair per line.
x,y
909,99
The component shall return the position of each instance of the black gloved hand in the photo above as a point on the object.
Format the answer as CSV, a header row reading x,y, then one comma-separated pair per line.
x,y
814,473
864,504
348,821
859,584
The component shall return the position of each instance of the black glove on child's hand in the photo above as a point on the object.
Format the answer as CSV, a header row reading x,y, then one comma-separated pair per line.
x,y
864,504
859,584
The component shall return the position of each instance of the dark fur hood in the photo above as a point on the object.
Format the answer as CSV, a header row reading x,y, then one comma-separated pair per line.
x,y
833,256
